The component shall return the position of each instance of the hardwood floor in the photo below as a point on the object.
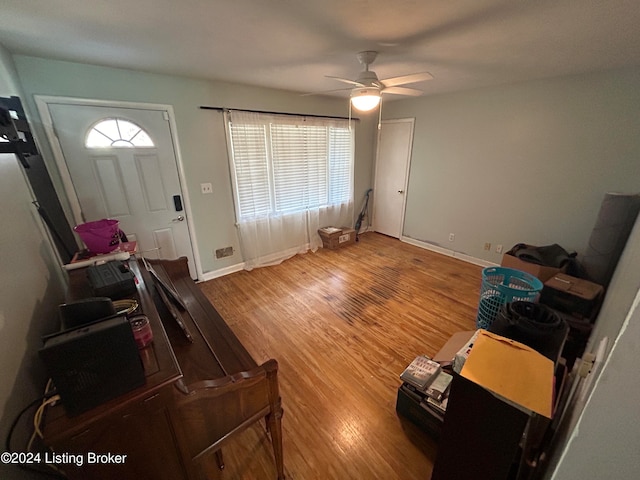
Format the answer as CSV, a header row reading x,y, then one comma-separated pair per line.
x,y
343,325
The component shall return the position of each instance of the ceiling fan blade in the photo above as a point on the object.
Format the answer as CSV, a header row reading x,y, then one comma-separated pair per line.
x,y
324,92
346,80
404,79
403,91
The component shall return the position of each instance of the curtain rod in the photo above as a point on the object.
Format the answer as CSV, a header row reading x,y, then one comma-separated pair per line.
x,y
223,109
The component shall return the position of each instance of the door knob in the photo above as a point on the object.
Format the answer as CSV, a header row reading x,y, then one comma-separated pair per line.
x,y
400,191
179,218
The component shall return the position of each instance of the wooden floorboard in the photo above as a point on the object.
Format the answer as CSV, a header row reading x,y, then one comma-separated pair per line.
x,y
343,324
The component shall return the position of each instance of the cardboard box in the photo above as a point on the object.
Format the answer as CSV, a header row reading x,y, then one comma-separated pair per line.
x,y
333,238
540,271
575,296
448,352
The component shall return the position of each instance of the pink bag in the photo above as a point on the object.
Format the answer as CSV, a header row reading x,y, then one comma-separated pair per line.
x,y
101,236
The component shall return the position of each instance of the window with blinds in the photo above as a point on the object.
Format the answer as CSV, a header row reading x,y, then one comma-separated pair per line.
x,y
286,164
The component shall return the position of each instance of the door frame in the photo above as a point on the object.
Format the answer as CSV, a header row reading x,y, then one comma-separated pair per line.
x,y
412,121
42,104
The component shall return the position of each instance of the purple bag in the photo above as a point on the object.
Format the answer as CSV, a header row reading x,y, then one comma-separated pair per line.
x,y
101,236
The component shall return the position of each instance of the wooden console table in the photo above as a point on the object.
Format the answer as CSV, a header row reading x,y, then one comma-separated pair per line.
x,y
196,396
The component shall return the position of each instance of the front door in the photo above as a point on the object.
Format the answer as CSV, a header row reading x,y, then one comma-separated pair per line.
x,y
392,167
122,164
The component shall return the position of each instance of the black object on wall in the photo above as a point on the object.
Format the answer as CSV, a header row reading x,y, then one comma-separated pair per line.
x,y
615,221
17,131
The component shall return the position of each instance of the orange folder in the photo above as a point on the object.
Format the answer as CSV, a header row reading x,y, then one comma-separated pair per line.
x,y
513,371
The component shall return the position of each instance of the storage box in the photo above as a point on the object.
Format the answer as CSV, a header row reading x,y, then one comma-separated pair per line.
x,y
542,272
408,405
112,279
333,237
447,353
575,296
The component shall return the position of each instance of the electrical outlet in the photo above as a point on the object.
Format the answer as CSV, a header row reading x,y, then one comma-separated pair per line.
x,y
452,237
498,248
585,366
206,188
487,246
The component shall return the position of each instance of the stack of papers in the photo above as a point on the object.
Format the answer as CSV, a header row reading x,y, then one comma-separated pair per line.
x,y
421,372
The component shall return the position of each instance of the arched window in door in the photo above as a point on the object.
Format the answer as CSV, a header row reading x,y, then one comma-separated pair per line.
x,y
118,133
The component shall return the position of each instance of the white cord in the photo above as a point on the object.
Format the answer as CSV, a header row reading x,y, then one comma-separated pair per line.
x,y
37,422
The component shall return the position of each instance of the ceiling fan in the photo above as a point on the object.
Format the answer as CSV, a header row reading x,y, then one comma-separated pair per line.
x,y
367,88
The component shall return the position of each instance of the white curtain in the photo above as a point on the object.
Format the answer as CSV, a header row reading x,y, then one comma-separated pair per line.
x,y
289,180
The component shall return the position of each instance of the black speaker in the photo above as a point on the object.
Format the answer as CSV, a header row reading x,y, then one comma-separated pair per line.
x,y
87,310
93,364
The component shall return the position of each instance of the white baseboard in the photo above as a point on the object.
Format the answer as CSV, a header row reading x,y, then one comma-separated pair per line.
x,y
221,272
418,243
449,253
273,259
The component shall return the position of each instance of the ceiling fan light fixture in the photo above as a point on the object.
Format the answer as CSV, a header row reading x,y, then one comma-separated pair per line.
x,y
365,99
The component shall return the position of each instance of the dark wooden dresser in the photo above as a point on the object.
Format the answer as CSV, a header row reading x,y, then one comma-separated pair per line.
x,y
197,394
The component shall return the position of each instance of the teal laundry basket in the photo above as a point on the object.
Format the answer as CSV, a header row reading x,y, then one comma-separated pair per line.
x,y
501,285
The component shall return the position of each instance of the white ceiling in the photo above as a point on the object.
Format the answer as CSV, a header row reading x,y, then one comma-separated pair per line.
x,y
293,44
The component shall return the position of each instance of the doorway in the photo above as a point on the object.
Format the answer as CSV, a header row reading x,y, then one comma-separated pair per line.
x,y
120,161
395,140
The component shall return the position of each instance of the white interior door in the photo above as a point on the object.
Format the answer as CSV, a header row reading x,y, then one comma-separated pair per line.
x,y
395,141
137,185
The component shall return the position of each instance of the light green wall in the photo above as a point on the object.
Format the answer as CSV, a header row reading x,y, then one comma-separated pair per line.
x,y
200,132
9,84
31,286
521,163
